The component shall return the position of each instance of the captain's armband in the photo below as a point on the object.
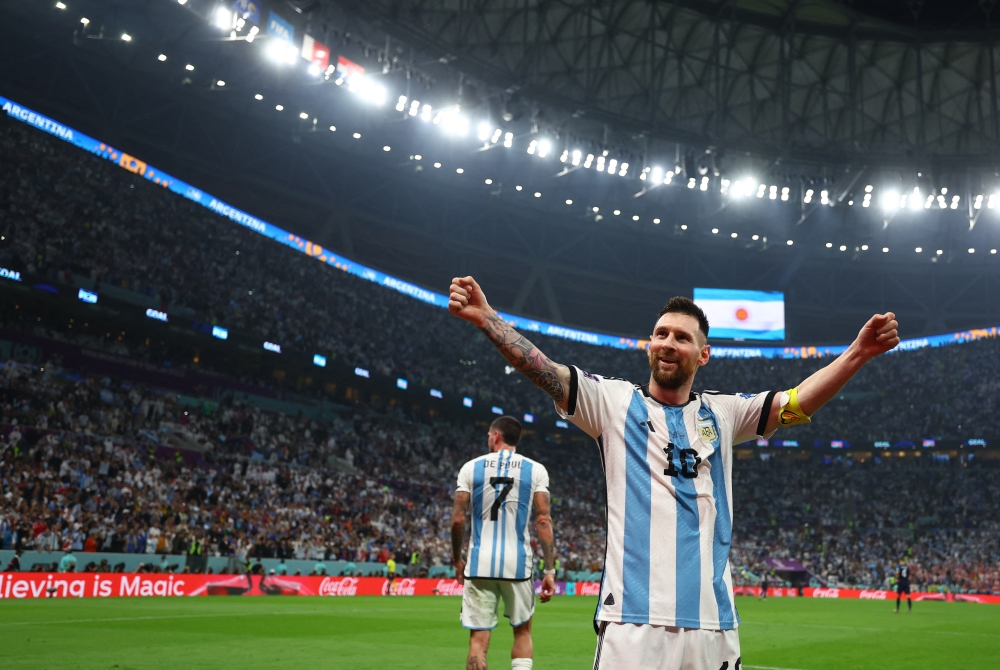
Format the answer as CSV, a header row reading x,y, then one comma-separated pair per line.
x,y
790,412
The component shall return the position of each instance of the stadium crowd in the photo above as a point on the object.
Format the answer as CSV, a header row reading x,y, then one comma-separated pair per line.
x,y
82,463
68,215
80,469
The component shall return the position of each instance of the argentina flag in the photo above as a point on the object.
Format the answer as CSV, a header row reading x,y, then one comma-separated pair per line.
x,y
743,315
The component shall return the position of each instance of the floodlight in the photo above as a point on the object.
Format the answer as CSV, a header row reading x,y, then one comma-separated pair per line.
x,y
734,235
280,108
258,97
532,147
692,182
809,196
612,165
357,136
617,212
623,170
367,89
508,140
824,197
85,21
635,217
220,83
253,33
656,221
829,245
60,5
600,163
784,194
425,113
303,116
939,252
544,147
885,250
387,148
224,18
401,103
773,193
657,174
537,194
577,155
161,57
590,160
684,226
126,37
790,242
919,249
189,67
484,131
564,156
569,202
864,247
891,201
972,251
868,189
460,170
704,183
414,107
715,231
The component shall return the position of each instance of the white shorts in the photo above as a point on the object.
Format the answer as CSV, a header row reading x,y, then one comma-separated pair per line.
x,y
629,646
481,600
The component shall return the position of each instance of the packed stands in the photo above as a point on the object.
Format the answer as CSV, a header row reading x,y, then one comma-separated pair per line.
x,y
70,217
108,464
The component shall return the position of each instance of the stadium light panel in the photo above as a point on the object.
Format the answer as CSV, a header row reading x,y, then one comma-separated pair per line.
x,y
577,156
656,174
182,2
773,193
885,250
279,108
544,147
367,90
864,247
919,249
496,410
760,189
829,244
972,250
460,170
684,226
669,177
224,18
595,209
755,238
189,67
252,35
387,148
436,394
692,182
272,347
843,247
85,21
258,97
564,157
485,131
704,184
993,251
401,103
734,235
809,196
537,194
333,129
824,197
418,157
508,140
126,37
618,212
623,170
497,134
532,147
402,383
60,5
518,187
161,57
715,231
600,163
437,165
361,372
635,217
426,112
220,83
868,188
656,221
569,202
356,136
414,108
220,333
939,252
979,202
612,165
891,201
489,181
790,242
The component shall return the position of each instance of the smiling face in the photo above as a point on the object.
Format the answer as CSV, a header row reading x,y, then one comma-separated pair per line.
x,y
676,350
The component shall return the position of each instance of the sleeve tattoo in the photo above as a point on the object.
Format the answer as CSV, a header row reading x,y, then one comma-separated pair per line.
x,y
525,357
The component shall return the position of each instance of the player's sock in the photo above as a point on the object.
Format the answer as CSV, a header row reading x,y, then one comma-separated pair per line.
x,y
520,664
909,604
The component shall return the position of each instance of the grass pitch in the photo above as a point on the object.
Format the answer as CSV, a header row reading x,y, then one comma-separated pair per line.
x,y
378,632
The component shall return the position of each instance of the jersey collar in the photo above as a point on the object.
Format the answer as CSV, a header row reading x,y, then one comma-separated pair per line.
x,y
645,392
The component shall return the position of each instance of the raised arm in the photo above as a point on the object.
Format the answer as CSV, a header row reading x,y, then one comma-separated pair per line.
x,y
543,530
458,533
877,336
468,302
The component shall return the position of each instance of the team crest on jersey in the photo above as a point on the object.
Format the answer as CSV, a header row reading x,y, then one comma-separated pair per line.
x,y
707,431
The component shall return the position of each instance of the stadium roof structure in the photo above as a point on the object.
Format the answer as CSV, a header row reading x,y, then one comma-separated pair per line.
x,y
400,194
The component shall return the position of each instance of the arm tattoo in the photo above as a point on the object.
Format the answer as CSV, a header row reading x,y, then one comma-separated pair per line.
x,y
525,357
475,663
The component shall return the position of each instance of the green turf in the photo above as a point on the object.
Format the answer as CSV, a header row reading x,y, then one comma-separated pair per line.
x,y
381,632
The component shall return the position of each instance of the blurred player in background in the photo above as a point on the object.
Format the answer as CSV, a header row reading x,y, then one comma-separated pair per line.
x,y
667,455
903,585
496,492
764,585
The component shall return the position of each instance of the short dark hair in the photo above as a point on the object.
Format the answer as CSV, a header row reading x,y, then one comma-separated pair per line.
x,y
681,305
509,429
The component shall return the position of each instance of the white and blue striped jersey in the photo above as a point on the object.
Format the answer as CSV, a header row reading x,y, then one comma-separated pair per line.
x,y
502,487
670,512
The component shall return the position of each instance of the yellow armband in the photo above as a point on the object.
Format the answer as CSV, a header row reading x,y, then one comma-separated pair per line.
x,y
791,413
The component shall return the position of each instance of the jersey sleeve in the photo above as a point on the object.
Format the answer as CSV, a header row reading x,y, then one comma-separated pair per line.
x,y
539,479
746,414
465,478
593,400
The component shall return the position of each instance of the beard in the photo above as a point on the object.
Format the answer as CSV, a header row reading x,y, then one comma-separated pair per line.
x,y
672,380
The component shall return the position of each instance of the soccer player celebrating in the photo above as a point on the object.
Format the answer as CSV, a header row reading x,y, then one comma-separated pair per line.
x,y
497,491
667,457
903,585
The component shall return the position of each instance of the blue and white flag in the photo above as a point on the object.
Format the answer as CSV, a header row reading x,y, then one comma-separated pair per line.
x,y
743,315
